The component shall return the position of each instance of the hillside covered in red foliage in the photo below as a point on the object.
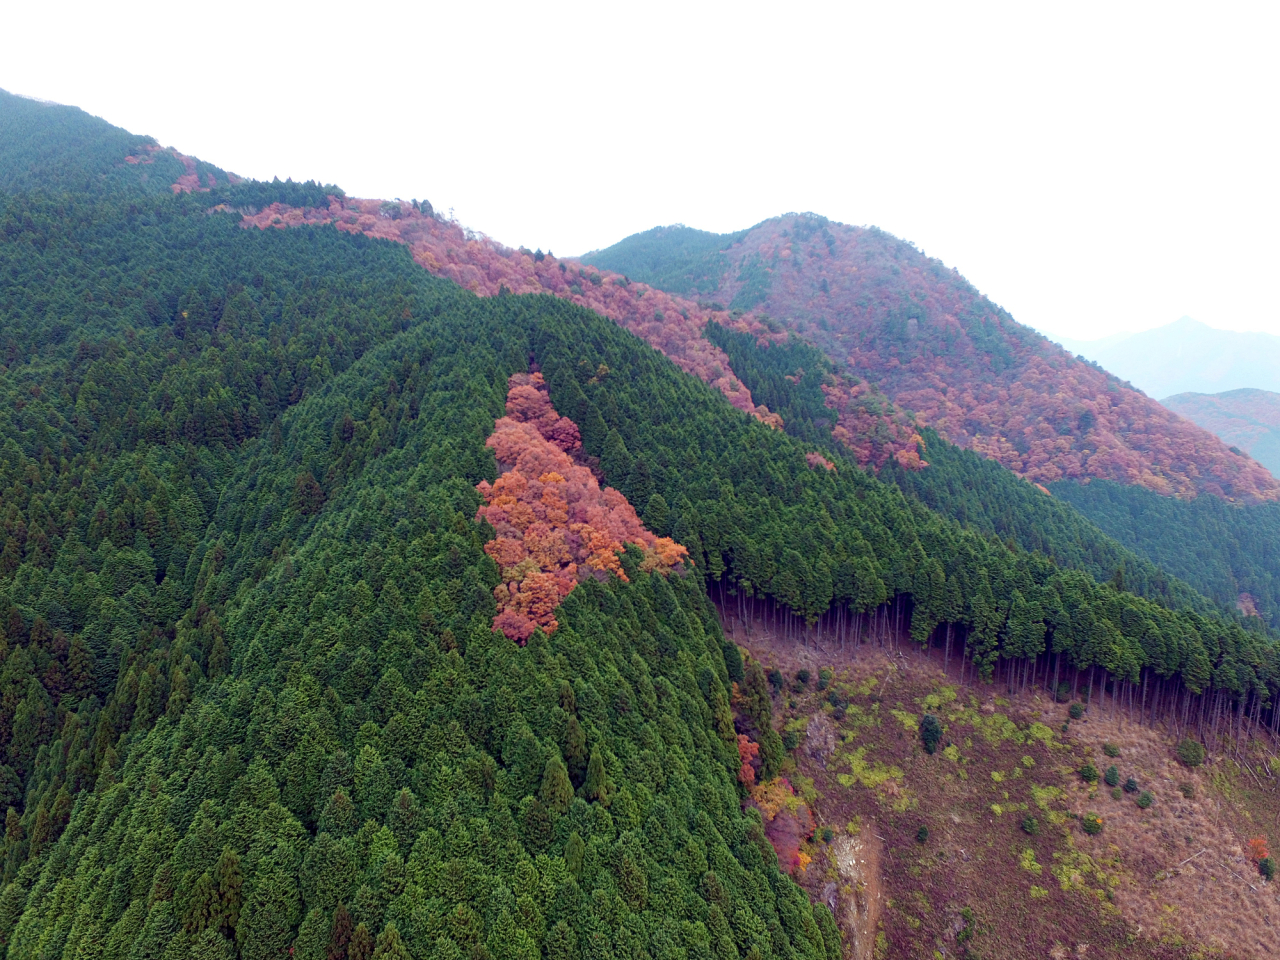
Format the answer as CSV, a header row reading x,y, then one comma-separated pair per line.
x,y
555,525
672,324
1248,419
867,422
940,349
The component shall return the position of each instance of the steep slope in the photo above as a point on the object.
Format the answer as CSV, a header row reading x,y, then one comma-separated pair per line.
x,y
1189,357
962,365
865,423
866,426
978,493
48,146
979,847
157,503
271,715
484,267
1231,553
1248,419
334,673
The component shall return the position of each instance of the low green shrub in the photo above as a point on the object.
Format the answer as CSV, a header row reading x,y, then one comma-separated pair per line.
x,y
1130,785
930,732
802,679
922,835
1117,793
1031,825
1089,773
1191,752
1112,776
827,835
1076,710
1110,749
1188,790
1063,692
1091,824
824,678
1267,867
1145,799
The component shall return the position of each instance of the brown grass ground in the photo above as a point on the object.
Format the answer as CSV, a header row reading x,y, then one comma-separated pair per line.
x,y
1169,881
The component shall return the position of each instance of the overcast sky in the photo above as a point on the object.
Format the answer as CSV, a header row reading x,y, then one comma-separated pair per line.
x,y
1091,167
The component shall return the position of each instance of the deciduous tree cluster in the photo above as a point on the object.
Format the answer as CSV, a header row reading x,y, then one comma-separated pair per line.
x,y
554,523
943,351
672,324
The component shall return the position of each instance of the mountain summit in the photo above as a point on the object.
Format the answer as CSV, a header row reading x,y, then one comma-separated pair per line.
x,y
937,347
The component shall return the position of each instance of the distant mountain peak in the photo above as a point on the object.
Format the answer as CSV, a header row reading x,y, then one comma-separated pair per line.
x,y
1189,356
883,310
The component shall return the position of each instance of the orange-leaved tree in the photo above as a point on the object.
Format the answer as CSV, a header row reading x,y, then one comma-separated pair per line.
x,y
554,523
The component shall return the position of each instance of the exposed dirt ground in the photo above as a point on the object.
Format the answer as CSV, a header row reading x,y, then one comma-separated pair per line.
x,y
1172,880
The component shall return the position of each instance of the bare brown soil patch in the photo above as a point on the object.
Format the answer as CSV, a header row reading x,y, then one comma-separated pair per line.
x,y
1173,880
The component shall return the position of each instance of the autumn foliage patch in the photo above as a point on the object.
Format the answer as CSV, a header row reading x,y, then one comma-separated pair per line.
x,y
1257,848
670,323
555,525
788,822
749,757
963,366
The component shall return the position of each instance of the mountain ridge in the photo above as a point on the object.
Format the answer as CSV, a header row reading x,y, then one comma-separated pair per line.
x,y
1188,356
937,348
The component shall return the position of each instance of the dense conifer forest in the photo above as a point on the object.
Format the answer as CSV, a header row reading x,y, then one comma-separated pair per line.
x,y
1231,553
881,310
267,682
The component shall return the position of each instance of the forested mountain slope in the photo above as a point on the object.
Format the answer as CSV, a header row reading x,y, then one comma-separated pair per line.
x,y
670,322
1246,418
201,759
346,613
676,258
940,349
835,405
1231,553
48,146
958,483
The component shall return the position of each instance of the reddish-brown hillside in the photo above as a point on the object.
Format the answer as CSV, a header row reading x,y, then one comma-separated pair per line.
x,y
1248,419
672,324
873,430
939,348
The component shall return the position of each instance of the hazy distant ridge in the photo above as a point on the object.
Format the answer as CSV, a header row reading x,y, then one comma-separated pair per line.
x,y
1187,357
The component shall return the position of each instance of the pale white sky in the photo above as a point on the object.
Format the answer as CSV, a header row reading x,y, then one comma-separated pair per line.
x,y
1091,167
